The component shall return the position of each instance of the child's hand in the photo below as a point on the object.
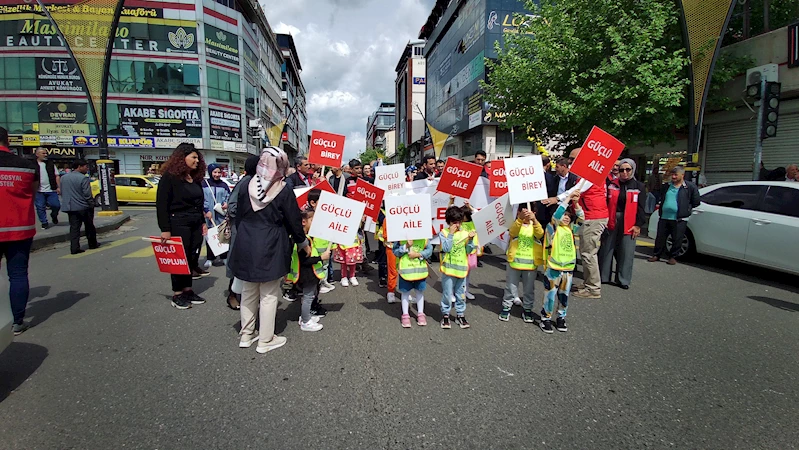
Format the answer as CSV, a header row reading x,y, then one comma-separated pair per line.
x,y
325,256
472,234
451,200
409,244
414,255
528,215
575,197
454,228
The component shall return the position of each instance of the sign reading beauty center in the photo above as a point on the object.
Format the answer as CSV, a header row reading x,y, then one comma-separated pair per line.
x,y
408,217
391,178
336,219
493,220
597,156
459,177
498,185
327,149
526,181
171,258
370,195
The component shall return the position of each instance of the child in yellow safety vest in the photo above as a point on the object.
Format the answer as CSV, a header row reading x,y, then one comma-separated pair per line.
x,y
456,244
561,258
413,273
525,234
468,226
306,273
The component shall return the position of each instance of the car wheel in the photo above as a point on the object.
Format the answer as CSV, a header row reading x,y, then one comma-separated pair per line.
x,y
687,247
98,201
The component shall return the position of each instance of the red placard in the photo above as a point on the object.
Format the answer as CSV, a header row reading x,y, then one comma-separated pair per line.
x,y
302,199
498,185
459,178
370,195
326,149
597,156
171,258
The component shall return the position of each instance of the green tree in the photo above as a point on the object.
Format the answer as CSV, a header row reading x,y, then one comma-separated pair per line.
x,y
369,155
618,64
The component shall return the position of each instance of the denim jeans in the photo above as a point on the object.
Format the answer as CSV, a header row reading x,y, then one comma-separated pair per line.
x,y
17,254
309,293
512,279
44,199
453,290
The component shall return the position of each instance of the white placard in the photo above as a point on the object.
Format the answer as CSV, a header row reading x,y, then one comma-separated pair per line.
x,y
526,179
440,200
408,217
212,238
493,220
391,178
336,219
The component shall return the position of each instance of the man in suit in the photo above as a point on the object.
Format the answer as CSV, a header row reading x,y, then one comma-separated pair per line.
x,y
300,178
77,202
557,183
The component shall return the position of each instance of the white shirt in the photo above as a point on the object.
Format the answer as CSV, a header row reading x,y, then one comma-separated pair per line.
x,y
44,180
562,184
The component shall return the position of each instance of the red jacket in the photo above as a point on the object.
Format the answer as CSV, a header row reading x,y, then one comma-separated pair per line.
x,y
633,208
17,178
594,202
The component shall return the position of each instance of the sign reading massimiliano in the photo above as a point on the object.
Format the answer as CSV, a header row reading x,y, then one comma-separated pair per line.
x,y
221,45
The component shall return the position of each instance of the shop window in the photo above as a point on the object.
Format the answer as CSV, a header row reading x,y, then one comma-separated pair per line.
x,y
223,85
18,74
154,78
19,117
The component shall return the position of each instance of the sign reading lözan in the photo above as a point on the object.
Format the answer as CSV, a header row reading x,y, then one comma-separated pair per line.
x,y
336,219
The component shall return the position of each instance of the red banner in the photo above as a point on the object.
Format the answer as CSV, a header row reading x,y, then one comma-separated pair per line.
x,y
371,196
326,149
498,185
597,156
302,194
459,178
171,258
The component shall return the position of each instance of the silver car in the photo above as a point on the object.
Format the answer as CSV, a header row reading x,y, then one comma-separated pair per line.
x,y
756,222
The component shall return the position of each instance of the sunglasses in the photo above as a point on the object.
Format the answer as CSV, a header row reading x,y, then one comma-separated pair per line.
x,y
628,169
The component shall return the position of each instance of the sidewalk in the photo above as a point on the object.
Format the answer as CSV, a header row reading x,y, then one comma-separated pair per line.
x,y
60,233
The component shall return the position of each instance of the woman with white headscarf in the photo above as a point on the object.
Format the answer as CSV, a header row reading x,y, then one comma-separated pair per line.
x,y
268,225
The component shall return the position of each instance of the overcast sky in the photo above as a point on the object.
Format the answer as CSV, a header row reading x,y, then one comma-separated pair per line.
x,y
348,50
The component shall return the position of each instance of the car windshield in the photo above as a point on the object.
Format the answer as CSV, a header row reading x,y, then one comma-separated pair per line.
x,y
154,179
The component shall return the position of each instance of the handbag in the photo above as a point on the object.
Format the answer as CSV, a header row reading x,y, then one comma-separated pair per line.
x,y
224,231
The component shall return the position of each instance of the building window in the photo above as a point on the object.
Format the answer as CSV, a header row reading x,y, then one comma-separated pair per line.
x,y
18,74
249,96
19,117
154,78
223,85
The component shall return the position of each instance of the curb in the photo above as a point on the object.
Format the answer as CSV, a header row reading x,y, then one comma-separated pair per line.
x,y
44,242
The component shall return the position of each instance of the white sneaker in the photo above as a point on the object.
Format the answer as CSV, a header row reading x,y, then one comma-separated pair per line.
x,y
246,341
314,319
328,285
345,282
469,295
276,342
354,281
391,298
311,326
207,264
324,289
517,301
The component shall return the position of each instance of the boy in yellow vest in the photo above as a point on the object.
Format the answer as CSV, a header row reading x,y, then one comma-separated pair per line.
x,y
456,244
412,276
321,245
561,257
525,233
309,272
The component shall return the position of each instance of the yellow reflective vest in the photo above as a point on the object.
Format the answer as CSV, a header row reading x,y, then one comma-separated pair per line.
x,y
561,252
523,249
414,269
456,263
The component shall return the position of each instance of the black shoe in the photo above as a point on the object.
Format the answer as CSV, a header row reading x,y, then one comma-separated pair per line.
x,y
624,286
194,298
479,263
560,325
181,302
218,263
445,323
199,273
45,226
19,328
461,321
75,252
319,311
487,250
382,283
95,246
528,316
55,218
546,326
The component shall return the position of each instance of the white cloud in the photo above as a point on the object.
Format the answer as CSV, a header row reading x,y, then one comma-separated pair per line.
x,y
341,48
283,28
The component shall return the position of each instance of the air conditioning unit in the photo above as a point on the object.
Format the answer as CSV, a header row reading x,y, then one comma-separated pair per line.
x,y
769,72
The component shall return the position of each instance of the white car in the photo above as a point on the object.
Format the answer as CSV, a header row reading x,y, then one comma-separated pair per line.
x,y
756,222
6,321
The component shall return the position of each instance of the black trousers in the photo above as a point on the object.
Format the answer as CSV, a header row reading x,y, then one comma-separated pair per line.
x,y
191,231
77,219
675,229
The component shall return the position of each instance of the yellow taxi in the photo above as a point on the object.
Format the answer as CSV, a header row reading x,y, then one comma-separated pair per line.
x,y
131,188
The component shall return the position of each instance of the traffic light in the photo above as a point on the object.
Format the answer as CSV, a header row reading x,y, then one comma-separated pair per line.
x,y
771,110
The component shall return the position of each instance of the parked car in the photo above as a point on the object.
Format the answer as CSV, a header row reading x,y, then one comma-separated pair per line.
x,y
6,321
131,188
756,222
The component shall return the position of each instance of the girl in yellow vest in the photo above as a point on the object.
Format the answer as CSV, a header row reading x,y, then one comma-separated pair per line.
x,y
348,256
561,257
468,226
311,272
525,234
413,276
456,244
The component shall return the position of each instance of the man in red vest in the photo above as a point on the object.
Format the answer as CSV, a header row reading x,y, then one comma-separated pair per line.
x,y
18,184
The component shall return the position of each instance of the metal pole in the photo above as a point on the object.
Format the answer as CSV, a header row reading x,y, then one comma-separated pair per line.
x,y
758,139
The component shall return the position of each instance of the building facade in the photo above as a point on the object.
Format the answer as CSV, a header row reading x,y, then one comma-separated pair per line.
x,y
180,72
460,35
295,136
410,96
381,121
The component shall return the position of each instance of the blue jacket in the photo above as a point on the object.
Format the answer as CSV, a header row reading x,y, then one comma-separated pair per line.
x,y
212,195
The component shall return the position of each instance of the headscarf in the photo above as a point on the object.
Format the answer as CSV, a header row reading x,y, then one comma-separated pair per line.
x,y
631,163
268,180
213,182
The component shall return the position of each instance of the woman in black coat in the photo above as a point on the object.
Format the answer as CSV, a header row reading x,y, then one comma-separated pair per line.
x,y
268,225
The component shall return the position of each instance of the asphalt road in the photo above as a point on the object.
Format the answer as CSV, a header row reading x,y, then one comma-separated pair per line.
x,y
700,355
